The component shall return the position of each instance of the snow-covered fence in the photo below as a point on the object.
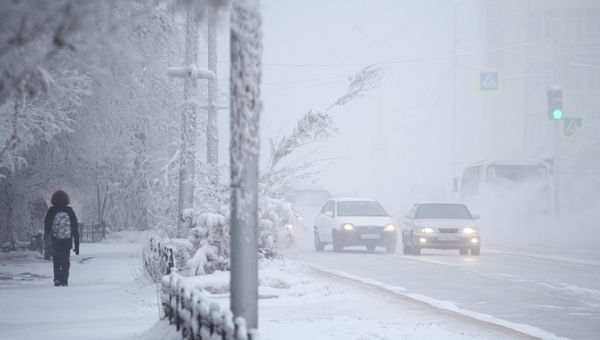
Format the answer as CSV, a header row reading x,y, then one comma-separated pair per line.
x,y
159,260
198,318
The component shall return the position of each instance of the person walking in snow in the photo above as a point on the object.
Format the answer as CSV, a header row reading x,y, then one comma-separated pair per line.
x,y
60,230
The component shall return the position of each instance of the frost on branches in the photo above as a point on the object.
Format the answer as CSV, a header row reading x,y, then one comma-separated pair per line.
x,y
210,238
210,235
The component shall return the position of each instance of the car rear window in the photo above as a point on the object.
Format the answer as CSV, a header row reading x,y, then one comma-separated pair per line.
x,y
360,208
443,211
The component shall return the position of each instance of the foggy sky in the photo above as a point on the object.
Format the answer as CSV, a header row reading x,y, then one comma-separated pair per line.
x,y
399,135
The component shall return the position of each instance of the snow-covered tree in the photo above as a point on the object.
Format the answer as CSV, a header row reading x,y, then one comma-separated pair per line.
x,y
100,125
275,183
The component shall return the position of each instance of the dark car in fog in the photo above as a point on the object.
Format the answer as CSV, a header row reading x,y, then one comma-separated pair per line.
x,y
440,226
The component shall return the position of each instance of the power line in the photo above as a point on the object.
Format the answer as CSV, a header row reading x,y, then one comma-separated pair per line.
x,y
417,60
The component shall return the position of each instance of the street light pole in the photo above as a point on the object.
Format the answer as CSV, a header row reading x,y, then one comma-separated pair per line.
x,y
190,74
245,104
454,49
379,60
455,66
212,129
188,127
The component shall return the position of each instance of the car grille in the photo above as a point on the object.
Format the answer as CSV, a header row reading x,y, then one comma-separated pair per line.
x,y
448,230
370,229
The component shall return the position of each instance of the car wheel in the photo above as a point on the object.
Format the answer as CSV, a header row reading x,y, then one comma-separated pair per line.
x,y
415,250
390,248
319,246
464,251
371,248
475,251
337,244
406,248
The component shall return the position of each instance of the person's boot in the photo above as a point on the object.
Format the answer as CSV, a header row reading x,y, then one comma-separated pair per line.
x,y
56,283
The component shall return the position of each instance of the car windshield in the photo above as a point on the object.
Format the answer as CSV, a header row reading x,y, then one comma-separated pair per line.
x,y
360,208
443,211
309,198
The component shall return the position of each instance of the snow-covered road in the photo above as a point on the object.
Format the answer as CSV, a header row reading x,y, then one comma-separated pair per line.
x,y
352,295
555,291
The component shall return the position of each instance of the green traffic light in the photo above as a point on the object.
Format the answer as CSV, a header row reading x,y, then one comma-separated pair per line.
x,y
557,114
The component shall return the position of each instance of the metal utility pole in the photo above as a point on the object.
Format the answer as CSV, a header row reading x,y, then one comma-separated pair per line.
x,y
190,74
454,67
556,170
212,129
454,48
244,82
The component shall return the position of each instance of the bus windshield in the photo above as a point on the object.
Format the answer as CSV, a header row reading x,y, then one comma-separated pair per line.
x,y
516,173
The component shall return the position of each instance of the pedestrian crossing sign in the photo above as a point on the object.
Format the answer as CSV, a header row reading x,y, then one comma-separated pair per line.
x,y
571,127
489,81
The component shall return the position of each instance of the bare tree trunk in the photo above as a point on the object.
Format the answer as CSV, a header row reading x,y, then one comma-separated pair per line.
x,y
245,107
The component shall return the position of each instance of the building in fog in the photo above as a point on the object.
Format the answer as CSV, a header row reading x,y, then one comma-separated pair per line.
x,y
534,44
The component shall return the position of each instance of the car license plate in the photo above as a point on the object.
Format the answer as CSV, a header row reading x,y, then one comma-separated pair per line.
x,y
448,237
369,236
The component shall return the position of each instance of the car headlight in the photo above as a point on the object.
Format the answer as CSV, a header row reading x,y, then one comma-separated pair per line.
x,y
425,230
348,226
470,231
288,226
389,227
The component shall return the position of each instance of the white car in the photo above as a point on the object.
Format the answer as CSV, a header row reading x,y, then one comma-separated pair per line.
x,y
440,226
354,222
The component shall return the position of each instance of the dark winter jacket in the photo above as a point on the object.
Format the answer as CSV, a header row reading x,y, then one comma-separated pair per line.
x,y
60,201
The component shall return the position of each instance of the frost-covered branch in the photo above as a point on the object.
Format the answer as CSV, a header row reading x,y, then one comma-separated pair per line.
x,y
315,126
365,80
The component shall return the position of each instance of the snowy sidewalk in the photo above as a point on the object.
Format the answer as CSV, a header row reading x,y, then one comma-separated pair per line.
x,y
102,302
105,301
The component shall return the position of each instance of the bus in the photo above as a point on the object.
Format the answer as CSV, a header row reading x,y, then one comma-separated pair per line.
x,y
518,186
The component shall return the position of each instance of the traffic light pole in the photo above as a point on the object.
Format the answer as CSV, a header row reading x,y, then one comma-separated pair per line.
x,y
556,202
555,113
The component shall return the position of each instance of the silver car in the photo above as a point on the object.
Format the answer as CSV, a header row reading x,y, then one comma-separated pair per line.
x,y
440,226
354,222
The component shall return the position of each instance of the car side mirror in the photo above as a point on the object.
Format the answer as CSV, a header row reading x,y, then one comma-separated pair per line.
x,y
476,217
329,213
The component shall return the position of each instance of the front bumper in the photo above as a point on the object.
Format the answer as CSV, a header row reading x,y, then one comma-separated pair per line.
x,y
446,241
367,237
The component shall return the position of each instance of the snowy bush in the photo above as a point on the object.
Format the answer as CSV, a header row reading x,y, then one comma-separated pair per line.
x,y
274,215
210,238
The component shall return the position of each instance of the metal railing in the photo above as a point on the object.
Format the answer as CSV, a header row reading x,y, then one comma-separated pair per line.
x,y
92,233
159,260
198,318
195,316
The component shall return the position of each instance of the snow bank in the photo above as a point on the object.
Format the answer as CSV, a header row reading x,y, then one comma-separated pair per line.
x,y
278,278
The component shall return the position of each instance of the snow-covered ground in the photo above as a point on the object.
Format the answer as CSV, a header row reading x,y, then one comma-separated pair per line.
x,y
108,298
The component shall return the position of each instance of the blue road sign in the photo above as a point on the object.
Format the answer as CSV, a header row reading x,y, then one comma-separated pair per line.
x,y
489,81
571,126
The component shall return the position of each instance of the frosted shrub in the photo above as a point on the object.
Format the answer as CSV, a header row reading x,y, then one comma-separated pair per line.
x,y
210,238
